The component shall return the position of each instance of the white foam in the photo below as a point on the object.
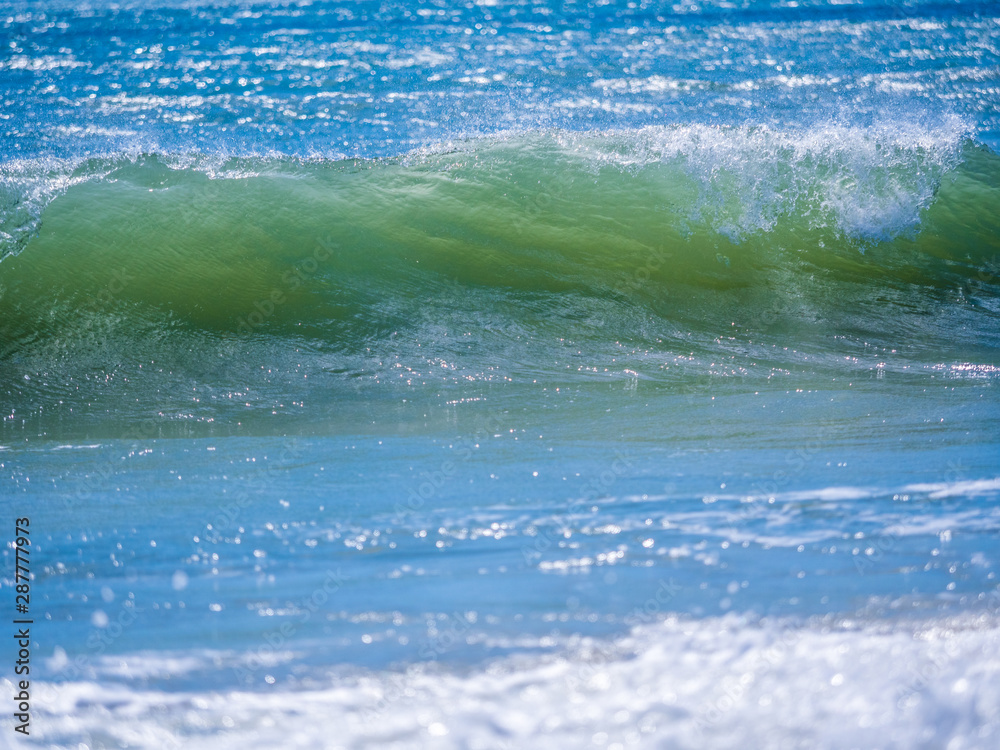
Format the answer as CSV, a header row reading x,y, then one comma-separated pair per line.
x,y
967,488
720,682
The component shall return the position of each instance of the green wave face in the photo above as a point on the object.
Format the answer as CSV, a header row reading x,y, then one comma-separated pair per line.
x,y
671,256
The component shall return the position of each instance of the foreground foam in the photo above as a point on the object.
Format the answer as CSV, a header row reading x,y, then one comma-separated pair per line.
x,y
685,684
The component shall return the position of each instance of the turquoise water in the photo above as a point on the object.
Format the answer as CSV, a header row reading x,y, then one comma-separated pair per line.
x,y
503,375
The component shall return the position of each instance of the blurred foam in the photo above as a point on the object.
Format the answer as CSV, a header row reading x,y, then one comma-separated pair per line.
x,y
709,683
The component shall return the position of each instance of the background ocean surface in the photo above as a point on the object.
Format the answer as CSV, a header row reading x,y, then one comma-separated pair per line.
x,y
503,374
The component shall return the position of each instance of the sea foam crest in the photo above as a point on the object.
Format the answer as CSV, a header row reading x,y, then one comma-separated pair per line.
x,y
867,182
27,186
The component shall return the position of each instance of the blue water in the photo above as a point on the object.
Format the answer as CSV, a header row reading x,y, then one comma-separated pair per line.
x,y
642,393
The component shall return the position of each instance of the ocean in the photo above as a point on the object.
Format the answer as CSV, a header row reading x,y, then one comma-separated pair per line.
x,y
501,374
